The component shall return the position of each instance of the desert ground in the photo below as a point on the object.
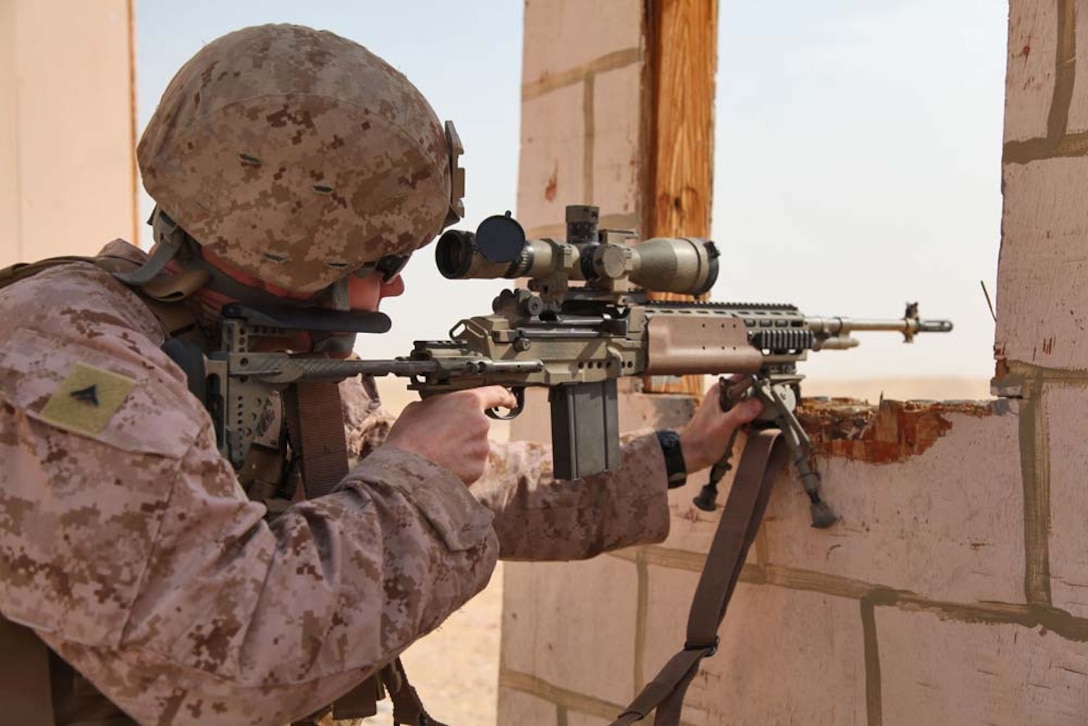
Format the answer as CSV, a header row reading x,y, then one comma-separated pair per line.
x,y
456,668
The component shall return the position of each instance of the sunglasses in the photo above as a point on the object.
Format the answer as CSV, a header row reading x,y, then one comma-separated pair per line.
x,y
389,266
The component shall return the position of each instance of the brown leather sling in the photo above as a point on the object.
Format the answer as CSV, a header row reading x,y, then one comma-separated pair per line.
x,y
763,457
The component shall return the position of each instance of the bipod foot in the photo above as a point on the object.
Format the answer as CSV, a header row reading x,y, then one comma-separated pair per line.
x,y
822,515
800,451
707,499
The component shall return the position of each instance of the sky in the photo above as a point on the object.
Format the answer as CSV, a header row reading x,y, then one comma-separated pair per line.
x,y
857,153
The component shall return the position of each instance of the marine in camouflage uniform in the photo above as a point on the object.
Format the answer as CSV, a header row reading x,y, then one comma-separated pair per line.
x,y
128,543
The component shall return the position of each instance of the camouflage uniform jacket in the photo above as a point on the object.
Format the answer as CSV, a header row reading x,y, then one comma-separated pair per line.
x,y
132,551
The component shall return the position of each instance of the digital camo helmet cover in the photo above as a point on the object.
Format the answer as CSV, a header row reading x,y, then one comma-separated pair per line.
x,y
298,156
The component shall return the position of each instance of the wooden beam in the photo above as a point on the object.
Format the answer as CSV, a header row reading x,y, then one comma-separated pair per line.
x,y
682,52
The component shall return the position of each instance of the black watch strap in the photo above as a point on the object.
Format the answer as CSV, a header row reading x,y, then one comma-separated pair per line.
x,y
674,457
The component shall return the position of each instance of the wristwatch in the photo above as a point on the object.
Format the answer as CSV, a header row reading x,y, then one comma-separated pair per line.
x,y
674,457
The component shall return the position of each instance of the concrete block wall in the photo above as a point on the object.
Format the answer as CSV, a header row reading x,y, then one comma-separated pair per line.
x,y
1040,346
953,591
918,599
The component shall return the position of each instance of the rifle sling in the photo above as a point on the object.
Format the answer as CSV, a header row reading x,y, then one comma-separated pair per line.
x,y
763,457
316,429
315,424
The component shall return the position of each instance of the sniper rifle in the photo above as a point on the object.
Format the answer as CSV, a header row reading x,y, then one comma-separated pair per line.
x,y
585,320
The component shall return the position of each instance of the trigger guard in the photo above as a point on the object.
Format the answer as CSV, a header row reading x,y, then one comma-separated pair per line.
x,y
494,413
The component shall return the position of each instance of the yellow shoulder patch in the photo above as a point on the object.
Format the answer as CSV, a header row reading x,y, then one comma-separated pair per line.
x,y
87,399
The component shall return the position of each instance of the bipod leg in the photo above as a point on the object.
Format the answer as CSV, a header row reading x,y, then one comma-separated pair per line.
x,y
730,393
801,451
707,500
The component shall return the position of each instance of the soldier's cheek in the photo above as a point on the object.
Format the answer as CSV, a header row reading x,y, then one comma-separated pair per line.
x,y
365,294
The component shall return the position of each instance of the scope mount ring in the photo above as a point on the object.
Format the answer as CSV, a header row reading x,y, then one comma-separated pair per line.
x,y
519,395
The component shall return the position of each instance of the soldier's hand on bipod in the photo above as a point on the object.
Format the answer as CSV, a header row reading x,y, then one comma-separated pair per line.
x,y
451,430
705,438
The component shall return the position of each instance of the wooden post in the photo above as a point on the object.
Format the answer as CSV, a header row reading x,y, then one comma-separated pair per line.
x,y
681,40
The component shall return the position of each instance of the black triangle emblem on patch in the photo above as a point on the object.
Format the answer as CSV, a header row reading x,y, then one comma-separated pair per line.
x,y
86,395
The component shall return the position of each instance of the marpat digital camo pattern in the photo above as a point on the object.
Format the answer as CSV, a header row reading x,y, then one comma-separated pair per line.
x,y
135,555
297,156
366,421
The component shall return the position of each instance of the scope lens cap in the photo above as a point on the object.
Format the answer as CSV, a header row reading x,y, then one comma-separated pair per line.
x,y
500,238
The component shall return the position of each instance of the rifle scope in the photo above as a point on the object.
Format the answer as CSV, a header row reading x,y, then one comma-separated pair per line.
x,y
499,249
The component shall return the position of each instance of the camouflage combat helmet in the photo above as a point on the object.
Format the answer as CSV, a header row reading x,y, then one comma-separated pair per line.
x,y
299,157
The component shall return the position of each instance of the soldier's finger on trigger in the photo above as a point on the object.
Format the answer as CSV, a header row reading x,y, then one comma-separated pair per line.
x,y
495,397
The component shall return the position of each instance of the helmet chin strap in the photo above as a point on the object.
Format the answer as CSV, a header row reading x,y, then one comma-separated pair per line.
x,y
338,294
169,240
173,244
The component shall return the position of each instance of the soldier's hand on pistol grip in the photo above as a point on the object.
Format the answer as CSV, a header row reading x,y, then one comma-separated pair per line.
x,y
705,438
451,430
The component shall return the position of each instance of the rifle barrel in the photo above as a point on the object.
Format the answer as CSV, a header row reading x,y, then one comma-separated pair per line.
x,y
843,326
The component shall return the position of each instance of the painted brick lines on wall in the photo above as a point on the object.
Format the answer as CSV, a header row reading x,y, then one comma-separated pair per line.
x,y
786,656
1078,107
519,707
567,34
550,633
1042,269
946,525
552,154
578,719
1066,410
581,112
1029,80
937,671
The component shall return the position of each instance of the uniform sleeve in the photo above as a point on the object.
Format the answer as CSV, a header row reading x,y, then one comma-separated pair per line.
x,y
538,517
128,545
366,421
262,624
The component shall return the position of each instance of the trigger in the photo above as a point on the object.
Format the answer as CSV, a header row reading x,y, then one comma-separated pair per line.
x,y
519,396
